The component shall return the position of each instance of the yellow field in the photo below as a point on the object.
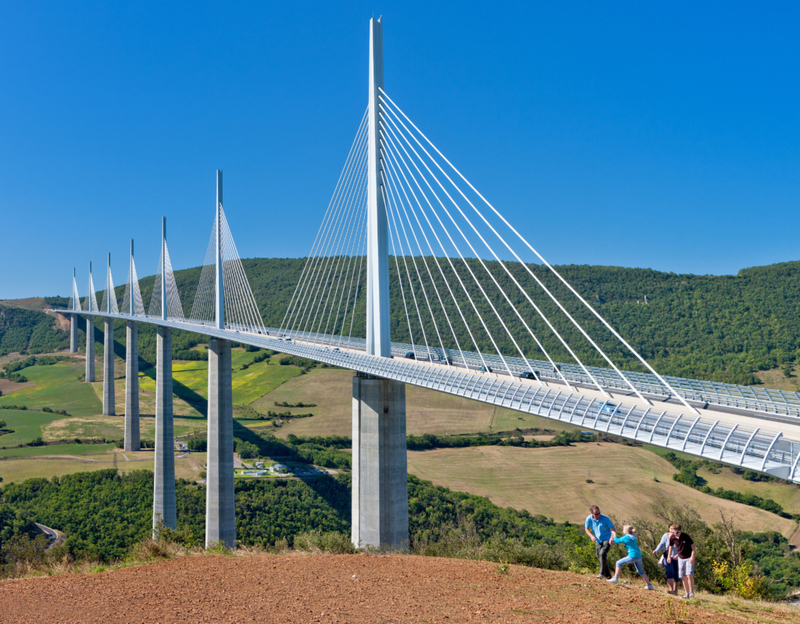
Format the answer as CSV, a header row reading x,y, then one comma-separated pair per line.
x,y
552,482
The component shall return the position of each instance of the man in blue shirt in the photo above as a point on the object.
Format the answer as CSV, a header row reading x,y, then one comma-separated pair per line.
x,y
598,527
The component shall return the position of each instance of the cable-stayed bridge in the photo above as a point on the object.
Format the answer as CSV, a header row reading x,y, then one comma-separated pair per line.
x,y
484,316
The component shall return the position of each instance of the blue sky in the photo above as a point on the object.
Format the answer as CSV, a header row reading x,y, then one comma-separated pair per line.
x,y
663,135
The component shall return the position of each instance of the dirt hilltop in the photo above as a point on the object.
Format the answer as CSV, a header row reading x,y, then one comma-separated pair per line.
x,y
301,589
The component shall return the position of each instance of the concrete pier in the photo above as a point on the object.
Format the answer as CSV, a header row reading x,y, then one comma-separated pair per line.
x,y
164,485
89,349
220,507
380,470
109,402
132,441
73,333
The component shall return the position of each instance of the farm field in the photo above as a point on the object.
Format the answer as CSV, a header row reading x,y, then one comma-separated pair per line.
x,y
516,477
552,482
56,450
57,387
426,411
54,461
248,385
787,496
26,425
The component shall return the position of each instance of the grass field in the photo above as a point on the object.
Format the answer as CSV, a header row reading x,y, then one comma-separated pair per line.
x,y
787,496
18,470
56,449
522,478
57,387
552,482
53,461
427,411
248,385
26,425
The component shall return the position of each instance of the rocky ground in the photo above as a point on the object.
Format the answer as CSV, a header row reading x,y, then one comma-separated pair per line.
x,y
351,588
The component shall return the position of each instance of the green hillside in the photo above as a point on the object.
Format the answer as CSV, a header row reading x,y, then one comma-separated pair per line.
x,y
723,328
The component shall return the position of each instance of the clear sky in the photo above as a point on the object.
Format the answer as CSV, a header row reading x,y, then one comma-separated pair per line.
x,y
646,134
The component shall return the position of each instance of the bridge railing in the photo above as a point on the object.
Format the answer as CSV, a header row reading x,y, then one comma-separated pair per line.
x,y
746,398
751,448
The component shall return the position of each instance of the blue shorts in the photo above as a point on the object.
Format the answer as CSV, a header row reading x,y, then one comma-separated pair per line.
x,y
671,569
636,562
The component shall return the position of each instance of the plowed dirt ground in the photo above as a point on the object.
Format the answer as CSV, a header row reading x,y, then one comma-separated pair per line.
x,y
343,588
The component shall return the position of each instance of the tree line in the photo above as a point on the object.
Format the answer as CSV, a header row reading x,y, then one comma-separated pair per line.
x,y
105,514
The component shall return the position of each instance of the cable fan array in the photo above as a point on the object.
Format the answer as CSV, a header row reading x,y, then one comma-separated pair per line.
x,y
324,306
132,286
457,271
241,310
90,303
75,297
174,307
109,303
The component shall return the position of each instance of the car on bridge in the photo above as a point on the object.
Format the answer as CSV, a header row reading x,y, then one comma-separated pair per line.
x,y
607,409
529,375
485,369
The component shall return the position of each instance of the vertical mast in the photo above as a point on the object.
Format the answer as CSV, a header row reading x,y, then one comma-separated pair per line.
x,y
164,268
220,285
378,339
108,285
89,295
130,286
75,299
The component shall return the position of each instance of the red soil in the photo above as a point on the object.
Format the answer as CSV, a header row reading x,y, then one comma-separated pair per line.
x,y
339,588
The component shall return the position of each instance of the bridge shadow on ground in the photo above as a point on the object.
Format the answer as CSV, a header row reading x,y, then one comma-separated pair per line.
x,y
333,491
183,392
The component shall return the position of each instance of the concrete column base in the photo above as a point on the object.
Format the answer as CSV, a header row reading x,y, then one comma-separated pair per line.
x,y
109,400
380,470
220,501
132,440
73,333
164,482
89,349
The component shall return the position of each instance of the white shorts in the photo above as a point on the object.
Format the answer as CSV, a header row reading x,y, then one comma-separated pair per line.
x,y
685,567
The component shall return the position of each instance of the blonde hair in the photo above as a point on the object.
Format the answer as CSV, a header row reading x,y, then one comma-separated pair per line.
x,y
629,529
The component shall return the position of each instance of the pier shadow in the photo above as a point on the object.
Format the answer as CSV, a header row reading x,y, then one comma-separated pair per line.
x,y
331,490
195,400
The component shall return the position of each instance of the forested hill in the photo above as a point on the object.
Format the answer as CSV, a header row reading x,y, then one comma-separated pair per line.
x,y
721,328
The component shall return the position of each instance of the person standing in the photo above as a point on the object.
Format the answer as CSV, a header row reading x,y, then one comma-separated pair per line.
x,y
598,527
671,568
686,550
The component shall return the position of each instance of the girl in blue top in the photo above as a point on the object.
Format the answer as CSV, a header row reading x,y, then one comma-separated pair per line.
x,y
628,538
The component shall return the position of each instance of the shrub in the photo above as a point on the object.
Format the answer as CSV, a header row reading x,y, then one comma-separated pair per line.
x,y
329,542
741,580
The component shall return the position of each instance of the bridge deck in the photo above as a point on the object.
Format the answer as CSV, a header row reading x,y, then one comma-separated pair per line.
x,y
737,439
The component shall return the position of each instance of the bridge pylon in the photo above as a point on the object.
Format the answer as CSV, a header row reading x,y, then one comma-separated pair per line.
x,y
220,504
109,402
380,472
132,440
89,376
73,318
164,478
